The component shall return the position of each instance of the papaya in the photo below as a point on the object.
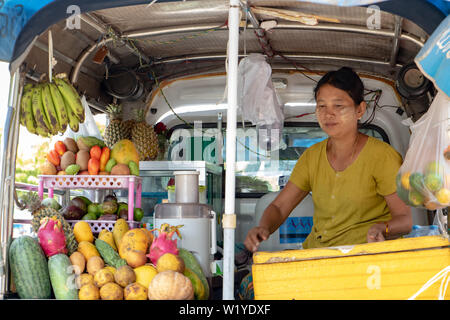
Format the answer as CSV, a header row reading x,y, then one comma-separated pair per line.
x,y
124,151
199,288
192,264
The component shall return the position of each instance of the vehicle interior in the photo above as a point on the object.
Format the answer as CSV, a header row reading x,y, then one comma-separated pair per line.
x,y
169,58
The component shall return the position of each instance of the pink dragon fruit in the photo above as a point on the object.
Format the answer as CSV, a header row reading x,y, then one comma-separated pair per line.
x,y
51,236
164,243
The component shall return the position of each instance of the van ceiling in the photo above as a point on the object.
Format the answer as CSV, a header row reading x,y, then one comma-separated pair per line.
x,y
173,39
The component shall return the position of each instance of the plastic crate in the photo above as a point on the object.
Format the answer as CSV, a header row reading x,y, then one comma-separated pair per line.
x,y
98,225
132,183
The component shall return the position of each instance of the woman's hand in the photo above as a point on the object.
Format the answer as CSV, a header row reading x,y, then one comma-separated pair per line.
x,y
376,233
254,238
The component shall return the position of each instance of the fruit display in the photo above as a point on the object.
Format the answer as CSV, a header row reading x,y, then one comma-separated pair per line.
x,y
101,271
428,188
50,107
90,156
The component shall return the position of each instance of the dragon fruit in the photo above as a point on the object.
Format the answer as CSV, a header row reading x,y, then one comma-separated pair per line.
x,y
51,236
164,243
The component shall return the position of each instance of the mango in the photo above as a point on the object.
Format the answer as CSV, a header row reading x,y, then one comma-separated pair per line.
x,y
82,231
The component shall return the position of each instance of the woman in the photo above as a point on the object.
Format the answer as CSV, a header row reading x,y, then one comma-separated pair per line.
x,y
351,176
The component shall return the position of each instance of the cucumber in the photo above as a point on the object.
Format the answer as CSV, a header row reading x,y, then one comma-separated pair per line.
x,y
191,263
109,255
29,269
62,277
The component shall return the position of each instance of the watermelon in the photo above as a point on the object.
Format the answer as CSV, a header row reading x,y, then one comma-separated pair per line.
x,y
29,269
62,277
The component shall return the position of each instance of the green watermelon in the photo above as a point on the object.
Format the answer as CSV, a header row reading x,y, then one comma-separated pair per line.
x,y
62,277
29,269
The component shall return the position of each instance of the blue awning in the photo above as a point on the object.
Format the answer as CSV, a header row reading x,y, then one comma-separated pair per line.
x,y
434,58
22,20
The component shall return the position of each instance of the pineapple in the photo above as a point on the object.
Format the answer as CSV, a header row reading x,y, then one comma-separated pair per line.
x,y
115,130
144,138
128,127
32,202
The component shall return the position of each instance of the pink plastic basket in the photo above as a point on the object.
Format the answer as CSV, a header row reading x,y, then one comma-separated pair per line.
x,y
99,225
132,183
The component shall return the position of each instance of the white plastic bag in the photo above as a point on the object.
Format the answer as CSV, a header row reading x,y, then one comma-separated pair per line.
x,y
424,177
258,101
86,129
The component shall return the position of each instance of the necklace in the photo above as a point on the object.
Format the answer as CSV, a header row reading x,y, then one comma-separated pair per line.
x,y
354,146
348,162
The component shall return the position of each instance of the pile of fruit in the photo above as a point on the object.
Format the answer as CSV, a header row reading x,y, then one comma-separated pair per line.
x,y
130,264
428,188
90,156
81,208
49,107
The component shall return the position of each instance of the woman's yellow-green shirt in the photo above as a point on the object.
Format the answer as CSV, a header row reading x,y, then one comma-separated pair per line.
x,y
347,203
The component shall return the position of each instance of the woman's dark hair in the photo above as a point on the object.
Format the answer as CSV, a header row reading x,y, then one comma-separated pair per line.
x,y
345,79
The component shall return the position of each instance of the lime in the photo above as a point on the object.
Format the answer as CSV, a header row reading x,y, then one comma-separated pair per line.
x,y
94,209
433,182
89,216
416,181
138,214
433,167
415,198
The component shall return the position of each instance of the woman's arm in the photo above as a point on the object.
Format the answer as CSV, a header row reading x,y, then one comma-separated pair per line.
x,y
274,215
400,224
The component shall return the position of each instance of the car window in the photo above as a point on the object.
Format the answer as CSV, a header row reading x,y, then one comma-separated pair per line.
x,y
257,171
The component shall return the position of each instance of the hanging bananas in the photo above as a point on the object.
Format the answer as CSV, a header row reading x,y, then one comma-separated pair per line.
x,y
49,108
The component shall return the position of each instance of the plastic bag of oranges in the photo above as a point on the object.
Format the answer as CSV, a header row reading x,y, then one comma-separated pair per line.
x,y
424,177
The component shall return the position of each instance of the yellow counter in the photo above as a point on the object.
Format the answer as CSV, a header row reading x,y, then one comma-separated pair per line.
x,y
411,268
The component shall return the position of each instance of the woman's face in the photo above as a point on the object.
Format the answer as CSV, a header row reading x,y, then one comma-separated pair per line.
x,y
336,111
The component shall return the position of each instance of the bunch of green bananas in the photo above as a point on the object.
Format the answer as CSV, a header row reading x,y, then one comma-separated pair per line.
x,y
48,108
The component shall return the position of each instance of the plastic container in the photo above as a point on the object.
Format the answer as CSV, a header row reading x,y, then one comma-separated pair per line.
x,y
186,186
422,231
294,230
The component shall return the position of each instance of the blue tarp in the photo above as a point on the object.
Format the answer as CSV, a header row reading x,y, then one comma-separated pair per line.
x,y
434,58
22,20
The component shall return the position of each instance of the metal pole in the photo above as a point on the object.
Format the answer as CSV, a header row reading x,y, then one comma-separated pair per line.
x,y
229,217
6,199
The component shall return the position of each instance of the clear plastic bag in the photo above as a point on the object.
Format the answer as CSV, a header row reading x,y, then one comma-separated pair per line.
x,y
424,177
258,101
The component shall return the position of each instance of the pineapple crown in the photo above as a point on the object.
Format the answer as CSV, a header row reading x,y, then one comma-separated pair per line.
x,y
139,114
31,200
114,110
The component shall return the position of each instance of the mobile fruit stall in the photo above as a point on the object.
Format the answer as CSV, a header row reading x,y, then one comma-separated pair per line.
x,y
137,53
